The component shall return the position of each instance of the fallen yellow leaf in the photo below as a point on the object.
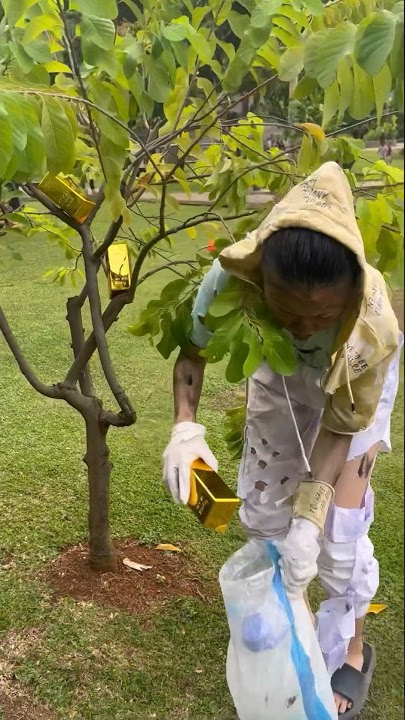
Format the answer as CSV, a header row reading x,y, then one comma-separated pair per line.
x,y
136,566
168,547
313,129
376,608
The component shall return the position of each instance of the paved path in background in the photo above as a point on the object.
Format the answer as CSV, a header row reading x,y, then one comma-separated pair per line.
x,y
254,199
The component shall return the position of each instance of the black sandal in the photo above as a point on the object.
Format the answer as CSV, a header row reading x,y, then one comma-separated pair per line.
x,y
354,684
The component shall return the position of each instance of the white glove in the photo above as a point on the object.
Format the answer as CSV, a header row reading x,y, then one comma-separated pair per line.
x,y
186,445
299,555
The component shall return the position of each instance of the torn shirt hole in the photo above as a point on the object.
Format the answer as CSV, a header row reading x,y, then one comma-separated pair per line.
x,y
262,464
260,485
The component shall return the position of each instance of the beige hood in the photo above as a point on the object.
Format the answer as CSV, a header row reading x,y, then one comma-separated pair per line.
x,y
369,335
322,202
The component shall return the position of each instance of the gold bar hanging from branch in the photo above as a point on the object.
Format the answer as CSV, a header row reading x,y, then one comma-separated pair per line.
x,y
119,269
67,196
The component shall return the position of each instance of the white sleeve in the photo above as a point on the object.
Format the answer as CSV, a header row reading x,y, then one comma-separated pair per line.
x,y
213,282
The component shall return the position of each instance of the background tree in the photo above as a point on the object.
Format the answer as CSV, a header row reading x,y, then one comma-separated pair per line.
x,y
153,104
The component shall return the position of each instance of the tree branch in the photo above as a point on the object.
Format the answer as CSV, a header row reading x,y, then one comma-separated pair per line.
x,y
166,266
98,203
32,190
191,222
119,301
91,265
99,252
213,122
117,419
76,71
74,318
259,166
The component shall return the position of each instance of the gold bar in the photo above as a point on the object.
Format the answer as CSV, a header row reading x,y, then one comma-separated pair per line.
x,y
67,196
210,498
119,268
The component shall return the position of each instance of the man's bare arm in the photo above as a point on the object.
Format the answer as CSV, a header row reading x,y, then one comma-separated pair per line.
x,y
188,375
329,456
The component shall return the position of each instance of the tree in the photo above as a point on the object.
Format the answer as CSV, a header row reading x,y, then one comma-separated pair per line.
x,y
137,110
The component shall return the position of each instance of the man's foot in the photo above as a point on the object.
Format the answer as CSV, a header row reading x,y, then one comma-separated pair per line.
x,y
355,659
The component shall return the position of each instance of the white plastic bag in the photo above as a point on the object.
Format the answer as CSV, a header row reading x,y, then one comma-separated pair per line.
x,y
275,669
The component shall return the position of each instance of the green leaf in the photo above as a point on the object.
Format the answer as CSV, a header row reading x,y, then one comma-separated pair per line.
x,y
16,120
175,32
182,324
363,94
394,173
374,41
38,25
307,155
58,136
204,49
198,15
34,152
371,216
263,11
99,8
98,30
234,75
330,103
219,344
239,351
396,59
255,356
25,62
221,14
227,300
291,64
16,9
325,49
278,350
57,67
305,88
6,142
390,250
168,342
175,99
346,83
314,6
39,50
382,88
160,82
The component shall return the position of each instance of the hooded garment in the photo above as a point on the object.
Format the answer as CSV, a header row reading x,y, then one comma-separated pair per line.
x,y
369,333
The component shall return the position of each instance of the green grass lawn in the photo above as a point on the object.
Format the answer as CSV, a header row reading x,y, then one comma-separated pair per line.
x,y
89,663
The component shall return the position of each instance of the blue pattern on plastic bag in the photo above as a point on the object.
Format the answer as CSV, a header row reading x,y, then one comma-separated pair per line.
x,y
313,706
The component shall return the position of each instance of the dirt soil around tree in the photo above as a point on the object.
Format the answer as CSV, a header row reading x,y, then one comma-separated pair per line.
x,y
17,704
166,575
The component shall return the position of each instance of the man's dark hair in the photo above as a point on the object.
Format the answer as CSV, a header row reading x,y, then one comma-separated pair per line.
x,y
300,256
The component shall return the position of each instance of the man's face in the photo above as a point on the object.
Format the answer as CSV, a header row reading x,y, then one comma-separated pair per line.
x,y
303,311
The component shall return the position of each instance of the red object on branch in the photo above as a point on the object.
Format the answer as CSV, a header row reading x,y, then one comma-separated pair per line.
x,y
211,246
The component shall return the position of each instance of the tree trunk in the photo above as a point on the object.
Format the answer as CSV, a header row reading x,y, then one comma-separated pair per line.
x,y
102,551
